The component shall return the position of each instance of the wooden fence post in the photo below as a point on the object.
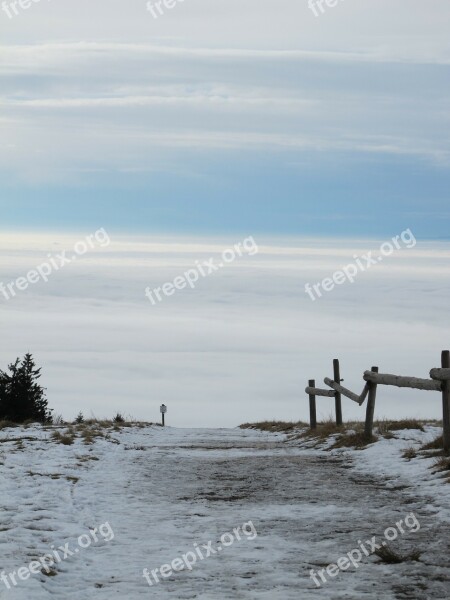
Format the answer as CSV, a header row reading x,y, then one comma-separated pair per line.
x,y
337,379
312,406
371,407
445,363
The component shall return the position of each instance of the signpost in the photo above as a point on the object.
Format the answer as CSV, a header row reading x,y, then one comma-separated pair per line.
x,y
163,410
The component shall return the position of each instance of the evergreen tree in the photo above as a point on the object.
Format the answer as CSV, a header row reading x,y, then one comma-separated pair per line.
x,y
80,418
21,396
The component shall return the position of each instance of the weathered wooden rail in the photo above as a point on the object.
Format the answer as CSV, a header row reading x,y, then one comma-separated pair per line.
x,y
440,374
313,391
403,382
343,391
439,382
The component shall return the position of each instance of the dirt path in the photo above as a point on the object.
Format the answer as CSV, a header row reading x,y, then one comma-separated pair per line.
x,y
167,493
308,511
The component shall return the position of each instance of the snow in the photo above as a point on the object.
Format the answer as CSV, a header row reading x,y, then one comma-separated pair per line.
x,y
164,490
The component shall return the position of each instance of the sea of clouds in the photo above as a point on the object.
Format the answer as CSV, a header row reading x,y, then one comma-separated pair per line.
x,y
241,345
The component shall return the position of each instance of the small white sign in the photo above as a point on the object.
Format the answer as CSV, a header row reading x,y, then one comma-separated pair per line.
x,y
163,408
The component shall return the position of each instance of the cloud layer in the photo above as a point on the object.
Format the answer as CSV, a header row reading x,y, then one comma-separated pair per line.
x,y
241,345
228,116
247,77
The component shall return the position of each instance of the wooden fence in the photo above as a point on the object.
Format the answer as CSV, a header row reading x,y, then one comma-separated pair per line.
x,y
439,382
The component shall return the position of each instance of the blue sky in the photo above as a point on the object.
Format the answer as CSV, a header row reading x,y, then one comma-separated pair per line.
x,y
227,119
376,200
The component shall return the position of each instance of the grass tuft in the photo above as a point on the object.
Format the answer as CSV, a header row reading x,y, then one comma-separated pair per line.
x,y
67,438
353,440
436,444
325,429
386,426
409,453
442,463
391,557
274,426
5,424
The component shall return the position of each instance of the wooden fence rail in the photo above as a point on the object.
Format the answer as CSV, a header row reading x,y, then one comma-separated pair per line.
x,y
403,382
342,390
313,391
439,382
440,374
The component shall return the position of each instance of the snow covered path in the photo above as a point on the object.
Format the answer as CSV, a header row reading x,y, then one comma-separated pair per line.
x,y
162,491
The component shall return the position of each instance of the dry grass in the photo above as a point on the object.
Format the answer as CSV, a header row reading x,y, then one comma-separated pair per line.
x,y
353,440
86,458
98,423
386,427
89,434
442,463
409,453
436,444
66,438
391,557
19,440
6,424
350,434
91,430
275,426
325,429
111,424
328,427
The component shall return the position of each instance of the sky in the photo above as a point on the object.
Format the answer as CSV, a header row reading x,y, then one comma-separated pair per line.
x,y
186,134
226,116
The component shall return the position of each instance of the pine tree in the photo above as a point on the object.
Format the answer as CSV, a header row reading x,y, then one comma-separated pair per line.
x,y
21,396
